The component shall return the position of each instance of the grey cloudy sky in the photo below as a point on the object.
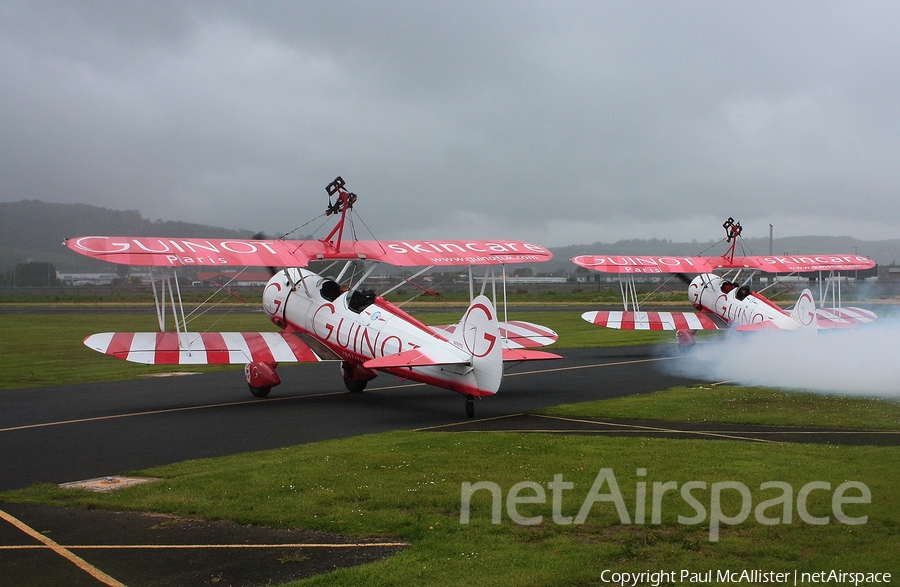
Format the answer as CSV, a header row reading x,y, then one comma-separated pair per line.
x,y
556,122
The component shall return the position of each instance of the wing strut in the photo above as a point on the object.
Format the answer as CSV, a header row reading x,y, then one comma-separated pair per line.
x,y
489,270
505,319
832,282
159,301
629,291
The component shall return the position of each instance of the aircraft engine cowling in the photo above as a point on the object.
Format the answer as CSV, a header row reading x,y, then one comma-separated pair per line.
x,y
275,298
262,375
704,289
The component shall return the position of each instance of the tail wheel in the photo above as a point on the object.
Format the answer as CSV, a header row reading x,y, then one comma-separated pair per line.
x,y
355,385
260,391
470,407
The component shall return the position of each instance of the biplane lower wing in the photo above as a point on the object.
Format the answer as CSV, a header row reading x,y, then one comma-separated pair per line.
x,y
202,348
653,320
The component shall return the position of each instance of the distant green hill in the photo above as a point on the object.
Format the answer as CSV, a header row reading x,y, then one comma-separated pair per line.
x,y
34,230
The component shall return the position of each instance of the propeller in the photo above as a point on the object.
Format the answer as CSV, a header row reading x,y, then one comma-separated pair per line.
x,y
683,278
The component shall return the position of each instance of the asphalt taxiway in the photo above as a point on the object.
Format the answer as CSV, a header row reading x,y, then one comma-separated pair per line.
x,y
69,433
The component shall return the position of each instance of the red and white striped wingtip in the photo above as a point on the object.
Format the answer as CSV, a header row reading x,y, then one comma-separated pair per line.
x,y
202,348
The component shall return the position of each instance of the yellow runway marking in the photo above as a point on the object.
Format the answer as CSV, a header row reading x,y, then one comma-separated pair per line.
x,y
637,427
62,551
594,366
206,546
465,422
630,428
167,411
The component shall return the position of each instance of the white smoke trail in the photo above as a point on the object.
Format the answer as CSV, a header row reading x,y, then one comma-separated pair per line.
x,y
862,361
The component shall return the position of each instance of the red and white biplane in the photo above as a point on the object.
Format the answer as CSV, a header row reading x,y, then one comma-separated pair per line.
x,y
727,301
333,318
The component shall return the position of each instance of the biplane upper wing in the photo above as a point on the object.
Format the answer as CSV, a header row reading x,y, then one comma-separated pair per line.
x,y
203,348
797,263
178,252
412,253
188,252
767,263
645,264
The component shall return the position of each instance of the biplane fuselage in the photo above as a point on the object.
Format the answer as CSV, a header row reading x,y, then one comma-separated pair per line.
x,y
368,333
739,306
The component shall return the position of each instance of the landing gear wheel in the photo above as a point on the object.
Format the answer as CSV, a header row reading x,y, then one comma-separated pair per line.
x,y
260,391
355,385
470,407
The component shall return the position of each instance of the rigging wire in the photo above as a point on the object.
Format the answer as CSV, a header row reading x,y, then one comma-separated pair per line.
x,y
287,234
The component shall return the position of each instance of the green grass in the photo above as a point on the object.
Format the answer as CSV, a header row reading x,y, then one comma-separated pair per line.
x,y
407,485
47,349
742,405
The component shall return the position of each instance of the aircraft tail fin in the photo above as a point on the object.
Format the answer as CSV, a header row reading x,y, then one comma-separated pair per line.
x,y
478,335
804,311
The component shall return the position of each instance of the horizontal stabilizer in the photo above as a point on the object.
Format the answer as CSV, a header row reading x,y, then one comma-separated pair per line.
x,y
510,355
421,357
202,348
844,317
653,320
761,326
516,334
